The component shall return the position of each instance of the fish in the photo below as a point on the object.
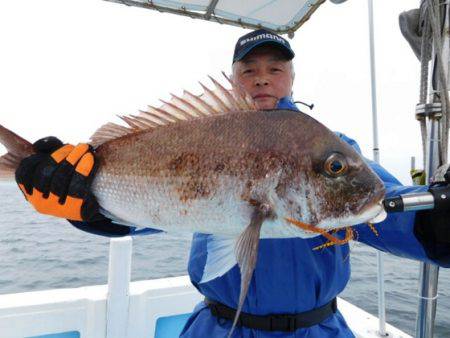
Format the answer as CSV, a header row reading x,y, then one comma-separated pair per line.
x,y
213,163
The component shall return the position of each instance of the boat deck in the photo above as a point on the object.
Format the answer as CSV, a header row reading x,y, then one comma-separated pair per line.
x,y
155,308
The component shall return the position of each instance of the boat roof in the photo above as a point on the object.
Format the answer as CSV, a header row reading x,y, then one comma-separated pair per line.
x,y
280,16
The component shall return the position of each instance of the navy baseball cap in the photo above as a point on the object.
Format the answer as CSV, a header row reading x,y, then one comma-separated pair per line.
x,y
250,41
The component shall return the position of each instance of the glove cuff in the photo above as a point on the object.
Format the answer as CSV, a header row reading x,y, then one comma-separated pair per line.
x,y
47,145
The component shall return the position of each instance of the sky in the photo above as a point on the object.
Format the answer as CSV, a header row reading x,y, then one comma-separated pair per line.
x,y
67,67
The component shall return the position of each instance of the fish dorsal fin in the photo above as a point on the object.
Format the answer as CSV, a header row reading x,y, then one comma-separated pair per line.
x,y
217,101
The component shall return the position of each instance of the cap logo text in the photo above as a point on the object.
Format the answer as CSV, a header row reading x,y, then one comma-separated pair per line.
x,y
262,36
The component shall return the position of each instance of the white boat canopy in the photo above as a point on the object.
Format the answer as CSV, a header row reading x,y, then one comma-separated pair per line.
x,y
280,16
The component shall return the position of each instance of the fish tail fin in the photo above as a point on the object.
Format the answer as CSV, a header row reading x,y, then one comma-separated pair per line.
x,y
17,147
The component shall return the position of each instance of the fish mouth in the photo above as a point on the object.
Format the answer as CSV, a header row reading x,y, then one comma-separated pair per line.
x,y
372,214
375,213
380,217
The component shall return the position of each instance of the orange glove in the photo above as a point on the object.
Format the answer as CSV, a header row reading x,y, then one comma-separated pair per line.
x,y
57,179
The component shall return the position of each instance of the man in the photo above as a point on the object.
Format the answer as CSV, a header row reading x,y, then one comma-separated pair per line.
x,y
293,289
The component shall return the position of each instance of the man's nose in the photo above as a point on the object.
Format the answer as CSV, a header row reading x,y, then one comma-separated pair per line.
x,y
261,81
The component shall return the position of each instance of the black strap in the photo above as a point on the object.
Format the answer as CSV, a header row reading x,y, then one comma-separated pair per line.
x,y
280,322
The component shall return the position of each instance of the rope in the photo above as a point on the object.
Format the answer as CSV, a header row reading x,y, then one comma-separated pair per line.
x,y
427,298
436,28
425,54
431,26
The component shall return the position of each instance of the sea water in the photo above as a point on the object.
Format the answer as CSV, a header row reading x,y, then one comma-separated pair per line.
x,y
39,253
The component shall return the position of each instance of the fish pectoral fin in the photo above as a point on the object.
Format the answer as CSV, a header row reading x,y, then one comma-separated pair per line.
x,y
247,252
224,253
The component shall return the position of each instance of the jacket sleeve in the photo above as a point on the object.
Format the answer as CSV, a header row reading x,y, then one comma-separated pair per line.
x,y
396,233
108,228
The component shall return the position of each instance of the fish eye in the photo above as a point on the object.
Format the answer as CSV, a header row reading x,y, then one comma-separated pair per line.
x,y
335,165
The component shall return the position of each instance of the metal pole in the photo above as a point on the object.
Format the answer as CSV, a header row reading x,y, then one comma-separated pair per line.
x,y
376,157
429,274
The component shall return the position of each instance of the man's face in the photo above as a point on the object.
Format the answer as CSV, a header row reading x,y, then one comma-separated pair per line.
x,y
266,75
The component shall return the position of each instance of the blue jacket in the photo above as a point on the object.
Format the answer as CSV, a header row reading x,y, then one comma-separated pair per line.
x,y
290,277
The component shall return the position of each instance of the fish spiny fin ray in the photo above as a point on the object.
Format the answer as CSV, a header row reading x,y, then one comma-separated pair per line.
x,y
244,99
183,103
217,101
176,110
211,96
152,117
201,104
225,94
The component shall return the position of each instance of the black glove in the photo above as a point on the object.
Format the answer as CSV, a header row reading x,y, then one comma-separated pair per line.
x,y
56,180
432,227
